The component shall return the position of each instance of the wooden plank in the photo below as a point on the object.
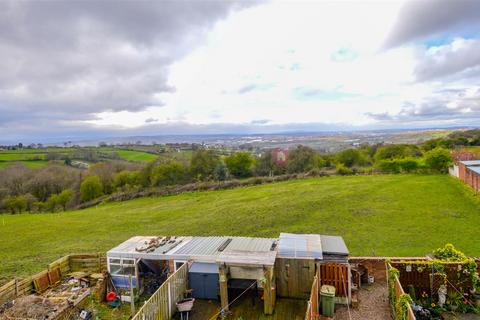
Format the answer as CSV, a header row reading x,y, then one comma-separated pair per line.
x,y
223,279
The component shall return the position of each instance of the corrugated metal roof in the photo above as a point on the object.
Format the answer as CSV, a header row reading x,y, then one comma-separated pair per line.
x,y
307,246
334,245
235,249
474,169
201,246
471,162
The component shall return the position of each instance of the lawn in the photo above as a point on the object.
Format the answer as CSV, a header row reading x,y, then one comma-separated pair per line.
x,y
400,215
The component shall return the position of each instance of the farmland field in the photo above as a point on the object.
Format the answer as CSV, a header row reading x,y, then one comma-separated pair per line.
x,y
37,157
377,215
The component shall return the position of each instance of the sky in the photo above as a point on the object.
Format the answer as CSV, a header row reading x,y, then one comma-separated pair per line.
x,y
91,69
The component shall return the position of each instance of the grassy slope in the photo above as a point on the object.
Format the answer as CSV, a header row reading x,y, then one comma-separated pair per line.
x,y
381,215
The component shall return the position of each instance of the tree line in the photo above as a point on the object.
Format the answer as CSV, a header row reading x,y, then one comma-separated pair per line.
x,y
55,187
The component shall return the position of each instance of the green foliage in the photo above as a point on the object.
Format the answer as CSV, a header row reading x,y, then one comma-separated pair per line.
x,y
438,159
342,170
240,164
221,172
405,165
402,306
351,157
302,159
126,178
15,204
169,173
397,151
51,203
64,198
203,163
90,188
449,253
266,166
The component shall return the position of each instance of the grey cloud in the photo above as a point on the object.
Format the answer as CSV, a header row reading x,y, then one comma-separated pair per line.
x,y
150,120
260,121
420,19
465,110
64,60
254,87
449,60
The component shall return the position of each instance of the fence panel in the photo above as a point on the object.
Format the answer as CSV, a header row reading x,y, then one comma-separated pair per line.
x,y
336,275
312,306
162,304
79,262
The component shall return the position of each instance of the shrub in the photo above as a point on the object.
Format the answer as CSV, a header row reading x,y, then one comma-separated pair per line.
x,y
240,164
343,170
438,159
90,188
169,174
203,164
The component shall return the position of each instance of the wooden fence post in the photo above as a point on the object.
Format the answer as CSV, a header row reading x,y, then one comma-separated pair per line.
x,y
132,297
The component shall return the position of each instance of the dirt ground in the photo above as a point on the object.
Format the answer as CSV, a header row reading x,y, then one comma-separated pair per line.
x,y
373,304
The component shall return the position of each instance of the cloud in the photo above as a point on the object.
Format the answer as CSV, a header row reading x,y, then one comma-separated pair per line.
x,y
247,88
150,120
260,121
65,61
426,18
450,59
461,106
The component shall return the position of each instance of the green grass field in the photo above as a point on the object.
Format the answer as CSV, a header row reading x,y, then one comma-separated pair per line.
x,y
401,215
136,155
27,156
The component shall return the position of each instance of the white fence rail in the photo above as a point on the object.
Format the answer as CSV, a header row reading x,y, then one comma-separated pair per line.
x,y
162,304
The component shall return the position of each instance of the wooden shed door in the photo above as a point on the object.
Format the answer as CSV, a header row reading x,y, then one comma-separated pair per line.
x,y
294,277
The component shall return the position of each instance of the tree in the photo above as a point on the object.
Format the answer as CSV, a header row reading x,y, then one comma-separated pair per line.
x,y
397,151
125,178
29,201
240,164
169,173
203,163
351,157
90,188
301,159
15,203
221,172
64,198
438,159
265,165
52,202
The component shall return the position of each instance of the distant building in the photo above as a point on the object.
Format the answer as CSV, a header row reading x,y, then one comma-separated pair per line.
x,y
280,156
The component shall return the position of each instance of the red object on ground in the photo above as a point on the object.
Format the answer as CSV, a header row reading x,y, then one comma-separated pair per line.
x,y
111,296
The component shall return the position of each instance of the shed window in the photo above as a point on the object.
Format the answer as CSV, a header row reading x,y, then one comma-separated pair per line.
x,y
122,267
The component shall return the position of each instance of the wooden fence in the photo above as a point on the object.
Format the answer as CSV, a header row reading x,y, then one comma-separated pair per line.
x,y
398,292
312,306
161,305
336,275
420,276
71,263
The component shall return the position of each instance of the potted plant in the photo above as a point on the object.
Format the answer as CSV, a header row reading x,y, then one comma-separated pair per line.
x,y
454,299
